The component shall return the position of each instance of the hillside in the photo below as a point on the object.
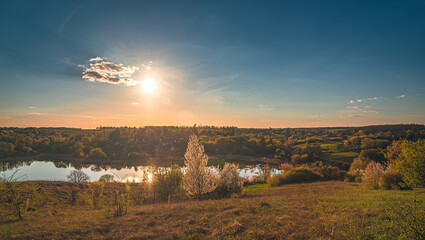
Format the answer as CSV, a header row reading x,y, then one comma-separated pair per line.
x,y
323,210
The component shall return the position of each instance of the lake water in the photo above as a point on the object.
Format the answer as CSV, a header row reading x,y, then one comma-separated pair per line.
x,y
54,171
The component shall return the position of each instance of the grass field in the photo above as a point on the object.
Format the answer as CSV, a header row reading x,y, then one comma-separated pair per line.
x,y
326,146
344,157
324,210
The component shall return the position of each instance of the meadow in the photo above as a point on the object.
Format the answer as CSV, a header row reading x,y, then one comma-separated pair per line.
x,y
321,210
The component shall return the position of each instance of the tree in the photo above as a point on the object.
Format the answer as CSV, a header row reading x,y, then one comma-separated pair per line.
x,y
229,180
409,158
96,153
78,176
198,180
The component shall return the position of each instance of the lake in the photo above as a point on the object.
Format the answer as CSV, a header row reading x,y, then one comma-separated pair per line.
x,y
57,171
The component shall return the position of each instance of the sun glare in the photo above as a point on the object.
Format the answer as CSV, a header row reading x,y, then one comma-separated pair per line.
x,y
148,85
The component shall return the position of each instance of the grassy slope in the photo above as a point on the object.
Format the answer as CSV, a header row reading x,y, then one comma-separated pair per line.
x,y
335,210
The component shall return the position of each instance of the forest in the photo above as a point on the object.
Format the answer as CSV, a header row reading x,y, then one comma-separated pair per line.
x,y
125,143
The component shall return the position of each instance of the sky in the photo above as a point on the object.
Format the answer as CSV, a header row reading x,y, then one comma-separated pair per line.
x,y
261,64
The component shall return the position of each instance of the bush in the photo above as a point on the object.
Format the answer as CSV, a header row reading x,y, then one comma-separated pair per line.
x,y
372,175
96,193
166,182
296,175
331,173
392,180
96,153
120,203
357,164
229,181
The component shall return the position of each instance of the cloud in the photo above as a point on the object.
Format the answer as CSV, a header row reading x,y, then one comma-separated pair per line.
x,y
95,59
108,72
401,96
135,103
355,115
362,100
369,111
36,114
353,107
4,117
31,107
368,106
373,98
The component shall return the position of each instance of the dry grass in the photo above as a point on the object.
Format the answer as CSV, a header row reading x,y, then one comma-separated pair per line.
x,y
326,210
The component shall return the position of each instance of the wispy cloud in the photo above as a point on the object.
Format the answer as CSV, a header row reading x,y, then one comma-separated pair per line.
x,y
355,115
100,70
135,103
95,59
353,107
369,111
4,117
401,96
213,89
363,100
373,98
36,114
31,107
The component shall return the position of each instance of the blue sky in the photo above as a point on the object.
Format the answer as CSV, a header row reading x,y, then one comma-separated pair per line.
x,y
240,63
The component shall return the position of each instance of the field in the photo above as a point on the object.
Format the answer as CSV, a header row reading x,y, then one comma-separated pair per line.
x,y
323,210
343,157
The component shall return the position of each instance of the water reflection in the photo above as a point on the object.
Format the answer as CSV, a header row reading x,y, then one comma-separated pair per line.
x,y
58,170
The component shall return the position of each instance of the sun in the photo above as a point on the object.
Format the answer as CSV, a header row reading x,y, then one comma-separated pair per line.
x,y
148,85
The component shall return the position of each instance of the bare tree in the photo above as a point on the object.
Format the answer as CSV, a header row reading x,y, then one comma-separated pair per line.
x,y
78,176
198,179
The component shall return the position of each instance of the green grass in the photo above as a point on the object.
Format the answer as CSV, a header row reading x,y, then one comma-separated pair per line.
x,y
344,157
321,210
256,188
326,146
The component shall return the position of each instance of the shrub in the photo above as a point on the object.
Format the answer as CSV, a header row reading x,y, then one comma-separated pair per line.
x,y
286,166
96,193
120,203
166,182
331,173
392,180
372,175
296,175
12,196
137,192
357,164
96,153
229,181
